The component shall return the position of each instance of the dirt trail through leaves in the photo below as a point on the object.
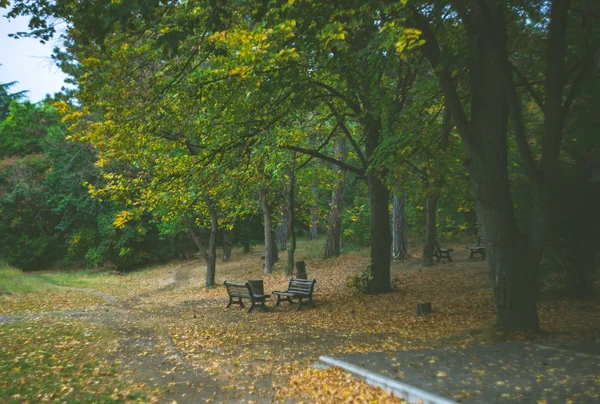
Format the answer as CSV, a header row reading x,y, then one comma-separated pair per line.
x,y
146,349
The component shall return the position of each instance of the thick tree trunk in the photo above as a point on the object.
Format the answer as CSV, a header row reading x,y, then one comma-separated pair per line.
x,y
334,226
270,255
289,269
379,196
399,232
281,231
513,259
430,231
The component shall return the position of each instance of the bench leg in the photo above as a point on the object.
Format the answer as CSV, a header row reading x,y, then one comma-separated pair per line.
x,y
449,259
251,307
483,255
229,304
299,304
471,256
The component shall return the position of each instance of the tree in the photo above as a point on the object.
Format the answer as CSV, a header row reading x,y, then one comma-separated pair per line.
x,y
488,29
6,98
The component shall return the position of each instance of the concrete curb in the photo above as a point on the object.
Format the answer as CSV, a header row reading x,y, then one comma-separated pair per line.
x,y
407,392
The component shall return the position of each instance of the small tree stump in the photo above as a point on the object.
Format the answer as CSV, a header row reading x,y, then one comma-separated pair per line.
x,y
423,308
301,270
257,286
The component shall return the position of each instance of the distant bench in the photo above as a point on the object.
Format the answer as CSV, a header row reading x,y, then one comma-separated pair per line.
x,y
442,253
297,289
242,291
477,249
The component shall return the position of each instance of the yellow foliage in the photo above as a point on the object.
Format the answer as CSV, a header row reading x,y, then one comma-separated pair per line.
x,y
122,218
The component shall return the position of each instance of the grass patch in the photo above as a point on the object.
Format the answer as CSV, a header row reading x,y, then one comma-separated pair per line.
x,y
13,281
25,293
62,362
113,283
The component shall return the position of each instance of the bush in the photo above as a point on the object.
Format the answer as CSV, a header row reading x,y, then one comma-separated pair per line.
x,y
360,282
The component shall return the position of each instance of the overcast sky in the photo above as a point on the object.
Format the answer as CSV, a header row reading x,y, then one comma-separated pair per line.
x,y
27,61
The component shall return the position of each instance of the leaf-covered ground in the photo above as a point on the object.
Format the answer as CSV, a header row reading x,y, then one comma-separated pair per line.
x,y
176,338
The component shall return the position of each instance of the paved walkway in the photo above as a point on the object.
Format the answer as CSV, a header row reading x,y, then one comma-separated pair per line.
x,y
567,372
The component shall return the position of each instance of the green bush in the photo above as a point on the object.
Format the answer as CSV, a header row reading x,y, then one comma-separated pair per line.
x,y
359,282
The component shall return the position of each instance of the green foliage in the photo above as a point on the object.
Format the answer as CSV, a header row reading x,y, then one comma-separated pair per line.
x,y
47,214
355,223
7,98
25,229
359,282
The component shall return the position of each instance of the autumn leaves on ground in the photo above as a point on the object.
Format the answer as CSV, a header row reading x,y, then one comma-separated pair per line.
x,y
158,335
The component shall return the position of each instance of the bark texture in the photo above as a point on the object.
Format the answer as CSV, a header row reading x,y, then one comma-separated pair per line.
x,y
270,254
289,196
227,243
313,229
430,231
379,196
210,254
281,231
399,229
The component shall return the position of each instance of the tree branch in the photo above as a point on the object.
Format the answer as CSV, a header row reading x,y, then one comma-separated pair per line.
x,y
431,51
354,106
360,173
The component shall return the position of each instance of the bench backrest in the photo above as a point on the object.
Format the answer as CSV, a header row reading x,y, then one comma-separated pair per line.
x,y
304,286
238,289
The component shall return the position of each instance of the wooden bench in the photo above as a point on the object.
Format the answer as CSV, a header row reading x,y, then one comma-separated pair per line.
x,y
241,291
442,253
477,249
300,289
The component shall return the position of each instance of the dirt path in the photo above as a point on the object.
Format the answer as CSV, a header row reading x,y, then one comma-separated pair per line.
x,y
146,349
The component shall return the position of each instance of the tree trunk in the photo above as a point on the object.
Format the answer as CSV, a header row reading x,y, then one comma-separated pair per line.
x,y
289,269
212,243
313,229
399,239
334,226
430,231
227,243
379,196
210,259
513,261
268,226
281,231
